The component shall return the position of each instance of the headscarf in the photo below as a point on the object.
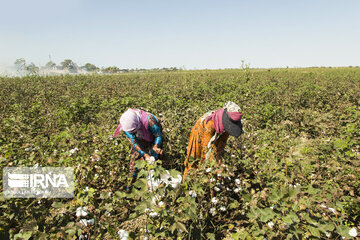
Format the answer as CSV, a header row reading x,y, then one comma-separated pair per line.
x,y
129,122
234,112
135,120
217,119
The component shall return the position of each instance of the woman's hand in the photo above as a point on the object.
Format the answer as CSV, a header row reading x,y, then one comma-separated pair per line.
x,y
157,150
147,157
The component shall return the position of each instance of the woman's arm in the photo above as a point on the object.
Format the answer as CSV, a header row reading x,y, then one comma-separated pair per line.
x,y
155,129
132,139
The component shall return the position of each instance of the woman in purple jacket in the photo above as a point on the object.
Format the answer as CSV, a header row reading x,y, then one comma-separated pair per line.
x,y
144,132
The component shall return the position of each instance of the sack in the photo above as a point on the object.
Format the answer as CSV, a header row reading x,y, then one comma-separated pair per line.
x,y
165,178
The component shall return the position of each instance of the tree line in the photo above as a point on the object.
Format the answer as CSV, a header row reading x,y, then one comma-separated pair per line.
x,y
70,66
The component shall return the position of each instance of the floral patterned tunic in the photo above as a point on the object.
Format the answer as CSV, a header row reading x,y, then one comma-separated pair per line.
x,y
204,143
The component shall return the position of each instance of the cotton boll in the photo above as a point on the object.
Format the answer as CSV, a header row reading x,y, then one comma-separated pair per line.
x,y
214,200
271,224
192,194
332,210
83,237
86,222
152,160
81,212
353,232
153,214
213,211
123,235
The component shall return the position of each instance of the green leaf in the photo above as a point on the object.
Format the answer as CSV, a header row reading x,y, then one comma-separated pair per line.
x,y
291,218
181,226
120,195
57,205
314,231
210,236
234,205
343,230
326,227
266,214
71,232
340,144
23,235
174,173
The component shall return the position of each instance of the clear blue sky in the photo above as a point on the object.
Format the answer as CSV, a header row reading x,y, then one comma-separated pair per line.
x,y
194,34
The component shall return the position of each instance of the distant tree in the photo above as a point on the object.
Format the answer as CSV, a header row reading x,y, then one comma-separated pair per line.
x,y
90,67
32,68
69,65
111,70
50,65
20,64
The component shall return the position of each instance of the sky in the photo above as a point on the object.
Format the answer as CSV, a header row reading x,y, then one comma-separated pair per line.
x,y
190,34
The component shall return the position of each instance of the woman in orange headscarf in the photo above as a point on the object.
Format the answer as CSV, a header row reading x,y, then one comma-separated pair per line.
x,y
209,135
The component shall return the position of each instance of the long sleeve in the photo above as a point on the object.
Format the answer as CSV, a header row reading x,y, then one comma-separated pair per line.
x,y
132,139
155,129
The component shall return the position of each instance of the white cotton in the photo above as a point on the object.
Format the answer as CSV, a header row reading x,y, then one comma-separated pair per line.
x,y
152,160
271,224
237,181
217,189
333,210
86,222
192,194
83,237
214,200
81,212
353,232
208,170
223,208
164,178
153,214
213,211
123,235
